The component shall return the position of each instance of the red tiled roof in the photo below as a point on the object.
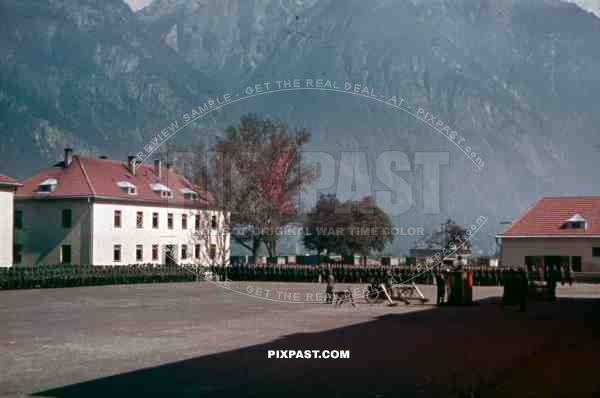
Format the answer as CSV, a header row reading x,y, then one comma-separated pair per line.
x,y
6,180
548,215
98,178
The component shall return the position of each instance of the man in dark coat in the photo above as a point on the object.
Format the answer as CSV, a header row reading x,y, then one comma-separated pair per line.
x,y
329,289
440,281
523,290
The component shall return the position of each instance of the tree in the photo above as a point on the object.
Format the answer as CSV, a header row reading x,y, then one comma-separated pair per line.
x,y
456,238
348,228
451,237
322,225
243,159
372,227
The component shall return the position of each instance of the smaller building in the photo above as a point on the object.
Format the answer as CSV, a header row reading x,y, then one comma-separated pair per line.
x,y
555,231
8,186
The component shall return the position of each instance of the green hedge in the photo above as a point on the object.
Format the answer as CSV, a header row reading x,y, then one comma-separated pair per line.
x,y
56,276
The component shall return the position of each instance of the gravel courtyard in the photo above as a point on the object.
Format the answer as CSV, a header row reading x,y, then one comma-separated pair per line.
x,y
199,339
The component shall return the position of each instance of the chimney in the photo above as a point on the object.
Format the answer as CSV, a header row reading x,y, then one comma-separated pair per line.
x,y
68,157
131,163
158,168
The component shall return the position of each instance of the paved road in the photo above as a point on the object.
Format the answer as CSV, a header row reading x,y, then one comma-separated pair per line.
x,y
200,340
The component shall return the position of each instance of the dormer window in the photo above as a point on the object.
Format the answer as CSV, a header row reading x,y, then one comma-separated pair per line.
x,y
188,194
48,185
163,190
575,222
127,187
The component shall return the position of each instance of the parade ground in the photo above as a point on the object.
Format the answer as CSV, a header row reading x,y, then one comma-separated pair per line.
x,y
199,339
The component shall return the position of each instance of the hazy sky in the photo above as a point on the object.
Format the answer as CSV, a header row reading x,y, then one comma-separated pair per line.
x,y
590,5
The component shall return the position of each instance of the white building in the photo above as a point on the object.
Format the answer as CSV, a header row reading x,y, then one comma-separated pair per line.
x,y
86,210
555,232
7,193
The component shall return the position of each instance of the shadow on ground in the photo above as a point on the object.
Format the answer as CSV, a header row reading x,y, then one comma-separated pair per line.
x,y
486,350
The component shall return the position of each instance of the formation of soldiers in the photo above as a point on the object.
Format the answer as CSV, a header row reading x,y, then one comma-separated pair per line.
x,y
482,276
519,283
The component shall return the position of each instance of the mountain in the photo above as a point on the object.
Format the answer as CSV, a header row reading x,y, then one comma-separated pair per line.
x,y
84,74
590,5
517,78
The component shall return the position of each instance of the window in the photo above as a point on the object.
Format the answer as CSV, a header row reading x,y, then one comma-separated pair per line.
x,y
154,252
213,251
213,222
184,252
188,194
18,219
139,219
117,218
139,253
170,220
127,187
596,251
48,185
65,254
197,222
155,220
67,218
184,221
117,253
163,190
46,188
575,222
17,254
576,263
197,251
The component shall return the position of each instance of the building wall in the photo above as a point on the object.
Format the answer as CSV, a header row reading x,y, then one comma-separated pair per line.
x,y
43,235
106,235
6,226
515,250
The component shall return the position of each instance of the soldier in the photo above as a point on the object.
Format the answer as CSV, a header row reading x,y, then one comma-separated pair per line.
x,y
329,289
570,275
440,282
523,290
551,280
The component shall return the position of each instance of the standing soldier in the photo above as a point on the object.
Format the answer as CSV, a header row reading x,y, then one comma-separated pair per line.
x,y
440,282
570,275
329,289
552,282
523,290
